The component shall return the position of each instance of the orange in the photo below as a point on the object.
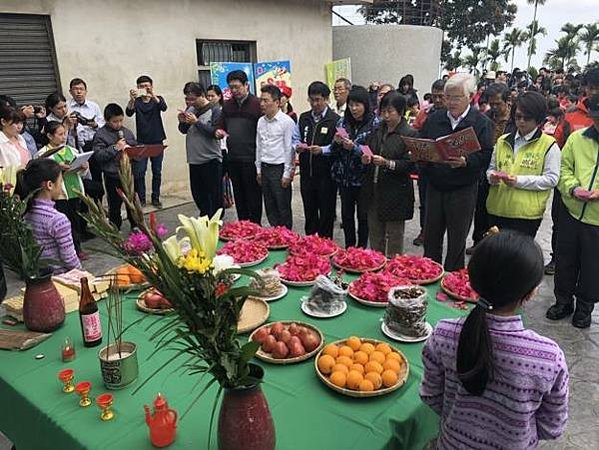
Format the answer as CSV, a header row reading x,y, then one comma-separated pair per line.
x,y
338,379
340,368
122,276
354,342
354,378
331,349
326,363
346,350
375,379
389,378
383,348
366,386
360,357
135,275
367,348
373,366
392,364
358,367
394,355
378,357
345,360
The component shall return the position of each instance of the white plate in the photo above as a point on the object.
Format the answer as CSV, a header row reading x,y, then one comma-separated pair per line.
x,y
283,293
321,315
403,338
367,302
252,263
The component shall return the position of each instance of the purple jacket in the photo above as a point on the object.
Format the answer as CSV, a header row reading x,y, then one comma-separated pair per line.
x,y
527,399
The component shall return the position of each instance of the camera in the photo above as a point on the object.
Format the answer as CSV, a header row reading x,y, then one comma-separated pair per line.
x,y
82,120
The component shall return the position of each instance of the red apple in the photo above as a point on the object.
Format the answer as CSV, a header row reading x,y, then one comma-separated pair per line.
x,y
269,343
280,351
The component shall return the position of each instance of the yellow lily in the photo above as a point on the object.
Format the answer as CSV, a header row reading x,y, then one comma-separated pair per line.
x,y
202,232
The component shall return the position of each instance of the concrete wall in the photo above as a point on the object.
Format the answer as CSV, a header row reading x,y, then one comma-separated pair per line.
x,y
388,52
109,43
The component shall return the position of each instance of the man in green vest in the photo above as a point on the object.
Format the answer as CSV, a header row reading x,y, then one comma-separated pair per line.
x,y
524,169
577,263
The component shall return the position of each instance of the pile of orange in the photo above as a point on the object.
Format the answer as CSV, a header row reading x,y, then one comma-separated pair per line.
x,y
360,366
127,275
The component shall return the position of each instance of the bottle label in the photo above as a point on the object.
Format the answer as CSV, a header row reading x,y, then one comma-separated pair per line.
x,y
92,327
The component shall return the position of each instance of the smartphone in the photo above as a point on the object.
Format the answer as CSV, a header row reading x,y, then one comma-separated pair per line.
x,y
141,92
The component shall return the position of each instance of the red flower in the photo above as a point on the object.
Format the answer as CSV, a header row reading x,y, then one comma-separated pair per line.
x,y
242,229
459,283
276,237
374,287
314,244
356,258
221,289
243,251
304,267
414,268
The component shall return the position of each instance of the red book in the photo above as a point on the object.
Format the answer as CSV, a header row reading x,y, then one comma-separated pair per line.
x,y
145,151
462,143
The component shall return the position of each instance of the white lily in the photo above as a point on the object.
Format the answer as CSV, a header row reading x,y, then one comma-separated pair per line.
x,y
223,262
202,232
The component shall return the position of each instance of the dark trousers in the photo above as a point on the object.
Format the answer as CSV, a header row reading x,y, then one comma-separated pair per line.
x,y
528,227
277,199
140,177
71,209
556,205
95,170
422,185
207,186
449,211
319,196
247,191
481,216
115,202
350,202
576,262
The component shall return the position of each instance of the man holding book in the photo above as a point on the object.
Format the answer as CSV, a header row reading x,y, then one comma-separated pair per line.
x,y
453,183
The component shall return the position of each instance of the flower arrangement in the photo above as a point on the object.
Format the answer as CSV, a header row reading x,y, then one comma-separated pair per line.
x,y
458,284
276,237
314,244
356,259
243,251
374,287
303,268
202,330
242,229
418,269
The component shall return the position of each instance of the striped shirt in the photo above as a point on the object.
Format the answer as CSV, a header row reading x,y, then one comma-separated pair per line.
x,y
527,399
52,231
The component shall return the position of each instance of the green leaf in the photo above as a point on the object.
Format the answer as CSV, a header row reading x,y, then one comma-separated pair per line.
x,y
248,351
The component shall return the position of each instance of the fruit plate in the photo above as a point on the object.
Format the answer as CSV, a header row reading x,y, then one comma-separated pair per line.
x,y
318,314
253,263
404,338
350,270
457,296
141,305
260,354
366,302
254,312
127,287
403,375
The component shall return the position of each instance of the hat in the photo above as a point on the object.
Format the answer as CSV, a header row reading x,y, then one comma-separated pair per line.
x,y
490,75
286,91
593,105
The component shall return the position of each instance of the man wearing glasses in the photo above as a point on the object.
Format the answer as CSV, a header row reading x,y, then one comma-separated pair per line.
x,y
341,92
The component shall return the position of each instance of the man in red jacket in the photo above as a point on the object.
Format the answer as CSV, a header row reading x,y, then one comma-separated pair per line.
x,y
572,122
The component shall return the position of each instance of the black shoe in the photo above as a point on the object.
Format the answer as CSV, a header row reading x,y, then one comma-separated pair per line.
x,y
157,204
582,317
559,311
419,240
550,267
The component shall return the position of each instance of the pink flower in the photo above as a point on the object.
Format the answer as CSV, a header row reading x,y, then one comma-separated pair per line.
x,y
359,259
8,187
243,251
414,268
276,237
459,283
374,287
242,229
304,267
161,231
137,243
314,244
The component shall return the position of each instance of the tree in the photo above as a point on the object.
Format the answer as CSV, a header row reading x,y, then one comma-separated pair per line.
x,y
511,41
564,54
454,61
532,31
473,60
534,23
589,37
493,53
571,30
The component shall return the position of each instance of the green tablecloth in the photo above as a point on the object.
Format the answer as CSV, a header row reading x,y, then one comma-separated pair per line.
x,y
35,414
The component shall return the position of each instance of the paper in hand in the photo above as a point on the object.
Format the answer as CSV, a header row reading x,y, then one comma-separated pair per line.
x,y
366,151
342,132
302,147
582,193
81,159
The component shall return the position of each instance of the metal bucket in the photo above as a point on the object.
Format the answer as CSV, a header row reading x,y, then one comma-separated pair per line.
x,y
119,372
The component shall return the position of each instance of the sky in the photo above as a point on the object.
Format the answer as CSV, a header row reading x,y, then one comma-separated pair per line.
x,y
552,15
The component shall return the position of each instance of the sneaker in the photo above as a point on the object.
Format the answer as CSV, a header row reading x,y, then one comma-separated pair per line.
x,y
419,239
550,267
157,204
559,311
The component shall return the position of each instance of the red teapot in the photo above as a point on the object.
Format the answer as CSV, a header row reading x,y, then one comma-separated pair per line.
x,y
162,423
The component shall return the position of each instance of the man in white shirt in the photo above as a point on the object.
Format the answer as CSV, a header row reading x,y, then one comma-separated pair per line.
x,y
274,157
341,92
89,115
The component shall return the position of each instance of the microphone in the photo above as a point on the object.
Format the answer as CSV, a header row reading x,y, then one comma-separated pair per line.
x,y
120,134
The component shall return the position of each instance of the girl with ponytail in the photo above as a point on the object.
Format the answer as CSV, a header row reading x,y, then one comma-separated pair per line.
x,y
42,182
494,383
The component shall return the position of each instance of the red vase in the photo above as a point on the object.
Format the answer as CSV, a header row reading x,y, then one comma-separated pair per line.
x,y
245,422
43,306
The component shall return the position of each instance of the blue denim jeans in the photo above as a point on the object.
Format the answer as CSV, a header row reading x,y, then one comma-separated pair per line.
x,y
140,177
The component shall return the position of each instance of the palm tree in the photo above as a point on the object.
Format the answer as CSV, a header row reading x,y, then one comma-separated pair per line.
x,y
571,30
493,53
454,61
534,22
511,41
532,31
473,59
564,54
589,37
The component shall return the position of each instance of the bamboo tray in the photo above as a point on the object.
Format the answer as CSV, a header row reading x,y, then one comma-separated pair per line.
x,y
350,270
457,296
254,313
403,375
267,356
141,305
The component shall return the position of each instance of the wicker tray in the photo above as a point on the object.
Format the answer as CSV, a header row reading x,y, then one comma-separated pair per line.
x,y
403,375
367,302
267,358
430,280
350,270
141,305
457,296
254,313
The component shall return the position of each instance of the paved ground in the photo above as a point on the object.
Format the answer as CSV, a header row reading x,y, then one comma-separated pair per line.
x,y
581,347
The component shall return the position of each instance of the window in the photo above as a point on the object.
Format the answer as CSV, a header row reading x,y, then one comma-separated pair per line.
x,y
209,51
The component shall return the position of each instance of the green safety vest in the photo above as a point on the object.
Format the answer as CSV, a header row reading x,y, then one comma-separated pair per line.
x,y
71,181
507,201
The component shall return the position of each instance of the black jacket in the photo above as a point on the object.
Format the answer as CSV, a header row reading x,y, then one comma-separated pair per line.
x,y
321,134
241,121
394,190
441,176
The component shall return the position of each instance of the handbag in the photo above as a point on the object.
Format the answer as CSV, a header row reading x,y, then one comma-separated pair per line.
x,y
228,198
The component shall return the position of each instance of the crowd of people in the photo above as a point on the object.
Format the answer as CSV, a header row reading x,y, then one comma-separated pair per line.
x,y
537,138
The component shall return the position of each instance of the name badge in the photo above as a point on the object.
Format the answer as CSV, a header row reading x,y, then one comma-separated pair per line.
x,y
324,130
